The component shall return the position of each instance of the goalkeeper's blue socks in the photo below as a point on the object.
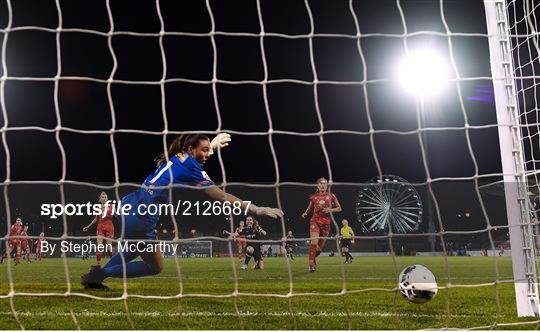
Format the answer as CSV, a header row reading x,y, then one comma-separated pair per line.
x,y
133,270
114,268
117,259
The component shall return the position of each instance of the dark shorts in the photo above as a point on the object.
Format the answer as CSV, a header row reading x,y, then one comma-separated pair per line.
x,y
257,255
345,243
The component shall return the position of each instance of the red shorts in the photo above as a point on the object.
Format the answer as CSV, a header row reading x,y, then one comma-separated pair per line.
x,y
241,241
106,230
24,245
322,229
13,243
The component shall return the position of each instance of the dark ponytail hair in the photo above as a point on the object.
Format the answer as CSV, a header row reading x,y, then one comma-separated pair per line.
x,y
181,143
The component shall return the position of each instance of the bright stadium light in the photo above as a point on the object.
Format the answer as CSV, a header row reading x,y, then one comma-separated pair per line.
x,y
423,73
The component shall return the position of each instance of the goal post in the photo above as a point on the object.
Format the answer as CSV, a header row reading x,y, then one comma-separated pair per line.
x,y
520,224
194,249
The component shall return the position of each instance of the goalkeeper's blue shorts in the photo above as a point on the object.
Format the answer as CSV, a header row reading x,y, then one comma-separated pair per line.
x,y
138,226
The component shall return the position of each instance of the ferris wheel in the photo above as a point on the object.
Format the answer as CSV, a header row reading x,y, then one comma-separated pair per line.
x,y
389,202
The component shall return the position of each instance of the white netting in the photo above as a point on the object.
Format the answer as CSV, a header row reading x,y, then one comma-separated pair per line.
x,y
523,28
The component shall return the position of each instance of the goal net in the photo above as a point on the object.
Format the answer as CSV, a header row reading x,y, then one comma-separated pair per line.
x,y
422,115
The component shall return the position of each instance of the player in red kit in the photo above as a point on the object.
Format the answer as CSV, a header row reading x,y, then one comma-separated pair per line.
x,y
14,244
240,240
323,203
105,226
25,247
37,246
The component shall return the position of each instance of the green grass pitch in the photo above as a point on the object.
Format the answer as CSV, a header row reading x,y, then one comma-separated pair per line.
x,y
366,307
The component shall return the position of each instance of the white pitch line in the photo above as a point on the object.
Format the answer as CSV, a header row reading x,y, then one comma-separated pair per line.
x,y
281,278
233,314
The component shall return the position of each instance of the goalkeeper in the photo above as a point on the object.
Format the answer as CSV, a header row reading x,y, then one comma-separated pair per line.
x,y
182,165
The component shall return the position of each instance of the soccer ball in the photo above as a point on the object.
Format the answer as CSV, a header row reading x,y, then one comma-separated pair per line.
x,y
250,250
417,284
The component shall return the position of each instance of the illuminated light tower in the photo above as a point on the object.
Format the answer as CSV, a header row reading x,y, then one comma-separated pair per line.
x,y
424,74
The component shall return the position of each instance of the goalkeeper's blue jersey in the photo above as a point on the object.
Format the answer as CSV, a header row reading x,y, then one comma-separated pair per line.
x,y
184,170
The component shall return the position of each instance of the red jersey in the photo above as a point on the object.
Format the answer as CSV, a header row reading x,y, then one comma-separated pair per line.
x,y
105,217
238,230
16,230
37,244
24,240
241,239
321,201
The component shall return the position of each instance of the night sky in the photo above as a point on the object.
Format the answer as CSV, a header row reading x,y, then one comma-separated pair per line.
x,y
292,106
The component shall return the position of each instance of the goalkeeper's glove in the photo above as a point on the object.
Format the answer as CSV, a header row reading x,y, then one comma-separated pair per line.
x,y
221,140
264,211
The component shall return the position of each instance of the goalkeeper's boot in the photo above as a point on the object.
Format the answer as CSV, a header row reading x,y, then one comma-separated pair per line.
x,y
96,286
94,278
